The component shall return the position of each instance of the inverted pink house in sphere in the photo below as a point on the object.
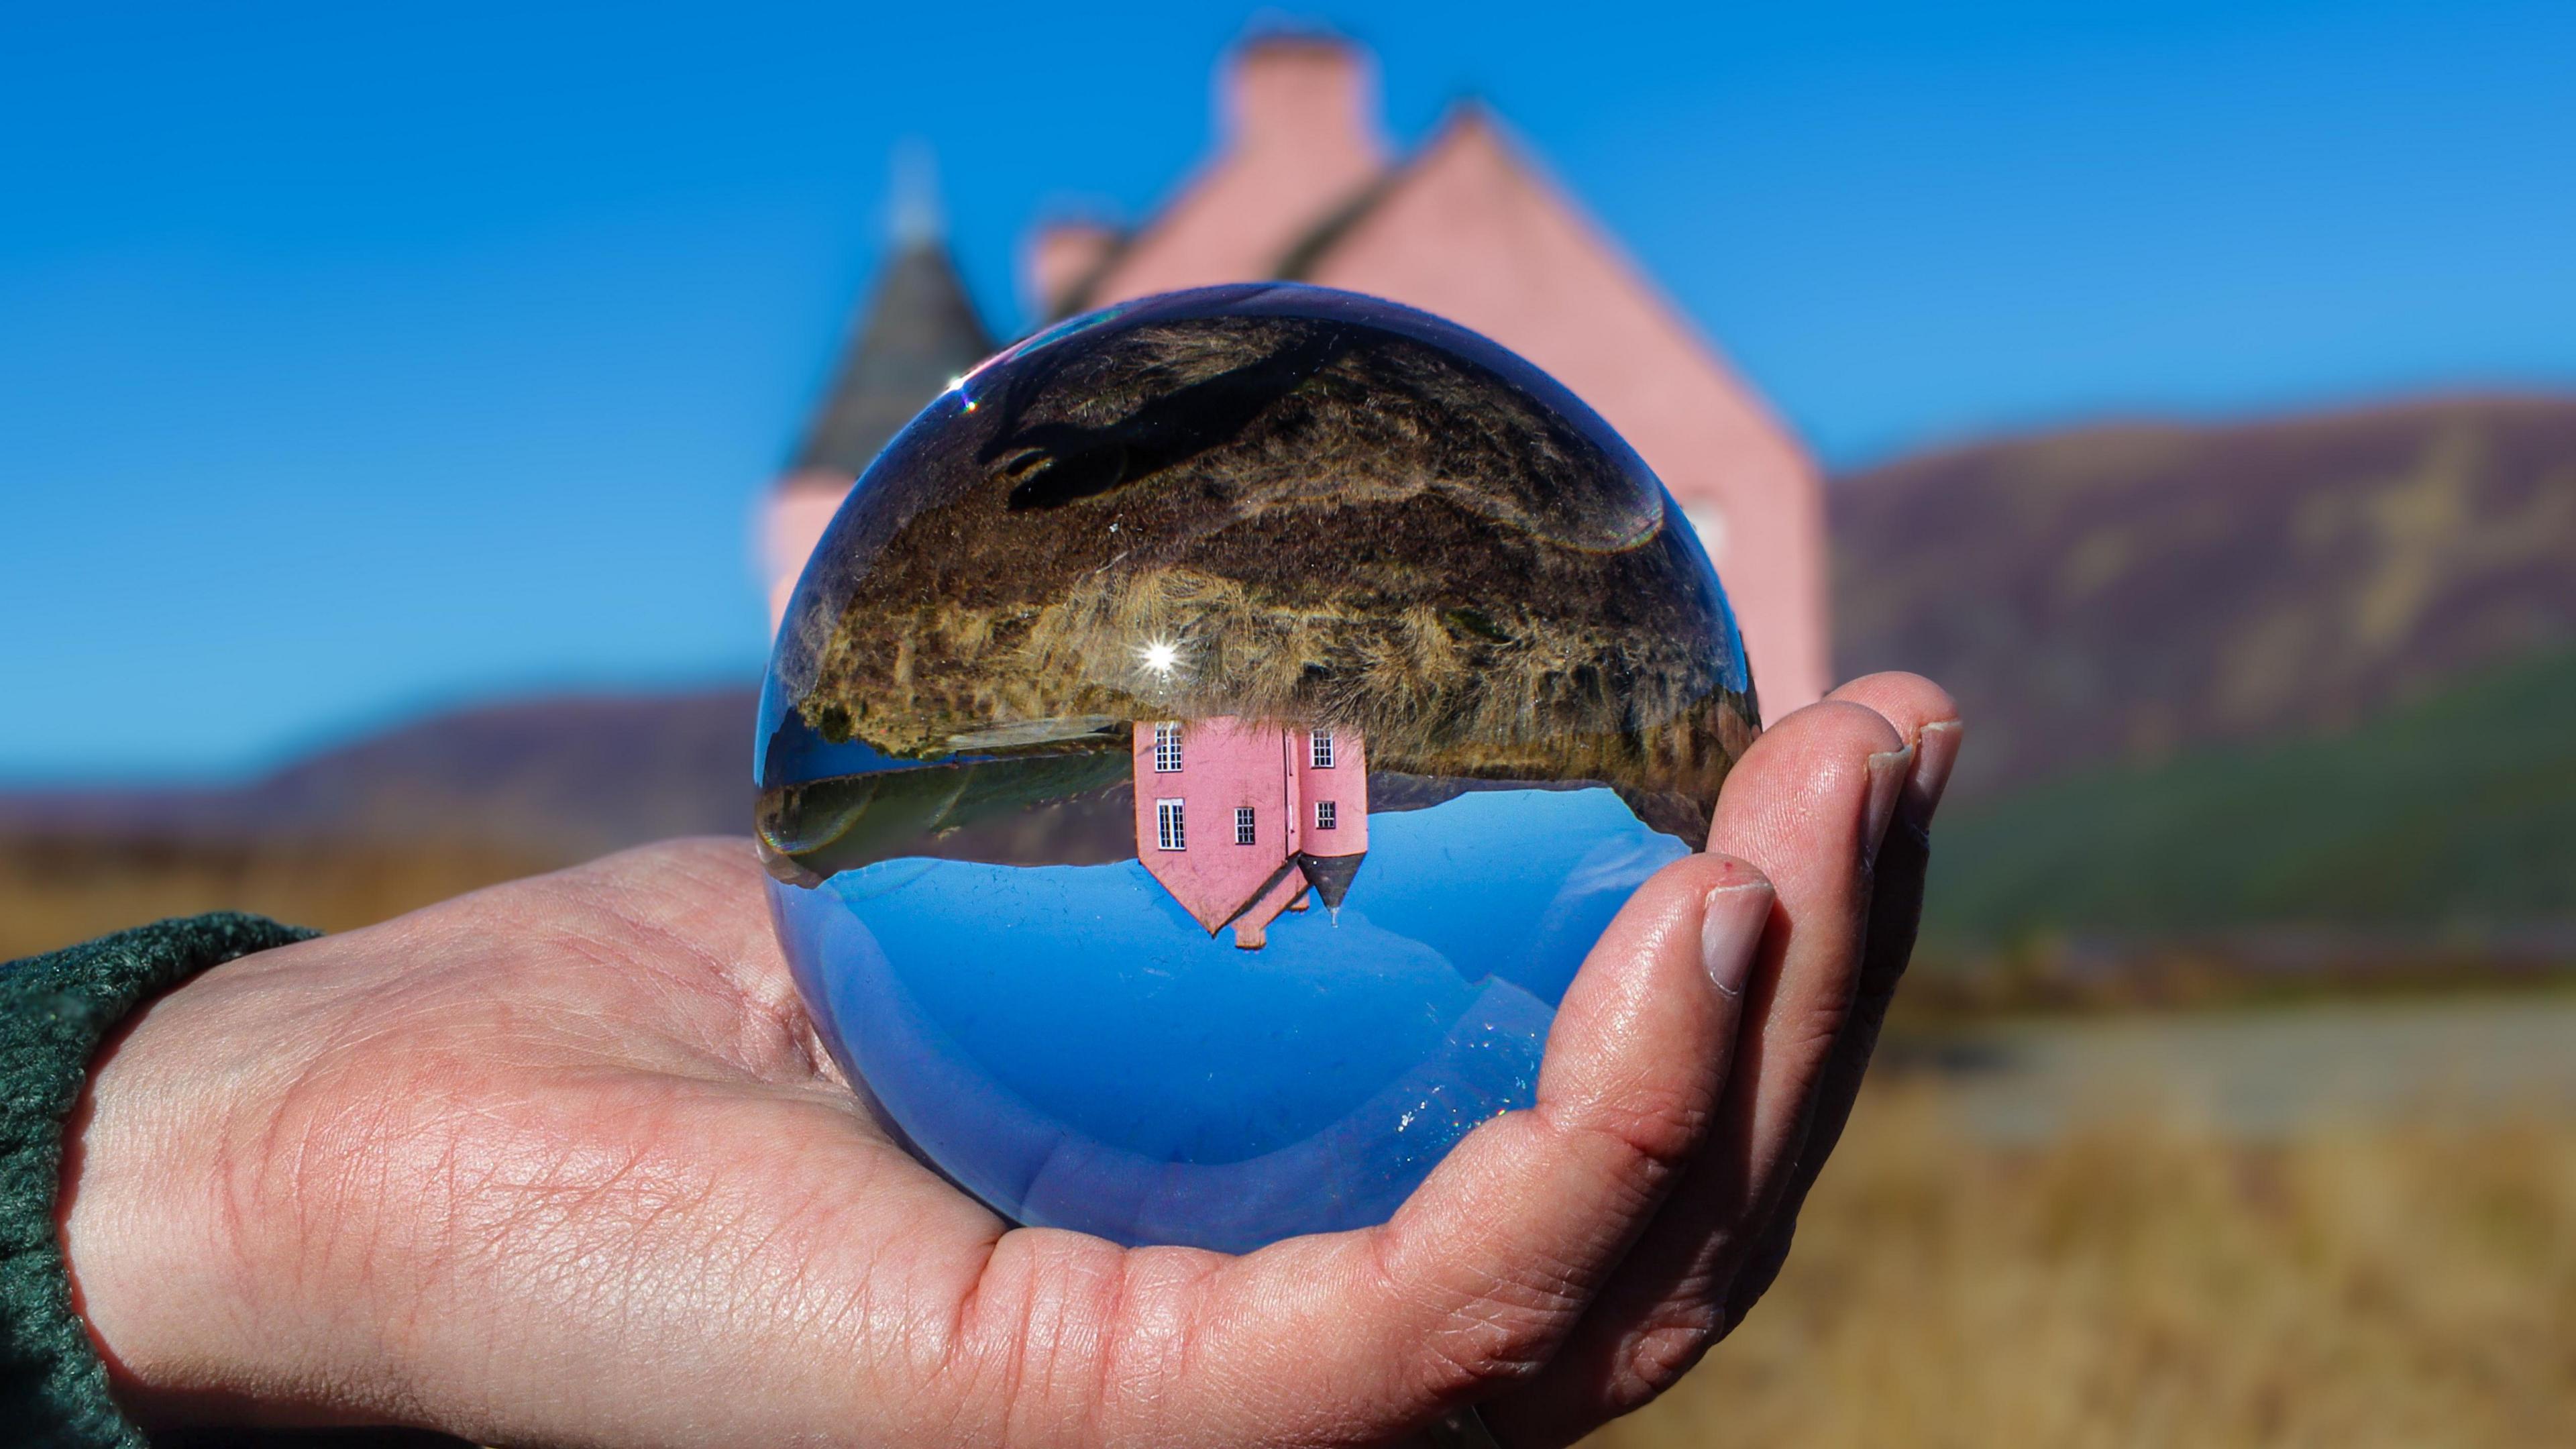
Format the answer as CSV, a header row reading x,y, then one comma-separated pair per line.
x,y
1239,820
1303,186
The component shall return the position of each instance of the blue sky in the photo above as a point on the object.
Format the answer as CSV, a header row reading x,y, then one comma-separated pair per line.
x,y
1018,1021
361,359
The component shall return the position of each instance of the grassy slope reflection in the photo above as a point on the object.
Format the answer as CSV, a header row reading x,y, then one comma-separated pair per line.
x,y
1075,1019
1065,809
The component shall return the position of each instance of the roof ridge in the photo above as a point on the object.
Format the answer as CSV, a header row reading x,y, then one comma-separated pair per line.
x,y
1303,256
1307,252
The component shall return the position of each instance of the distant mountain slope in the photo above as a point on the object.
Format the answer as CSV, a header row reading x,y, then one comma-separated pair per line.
x,y
546,779
2118,592
2215,679
2447,820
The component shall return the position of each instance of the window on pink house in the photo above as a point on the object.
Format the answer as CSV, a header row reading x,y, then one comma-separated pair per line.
x,y
1243,833
1323,750
1327,816
1167,749
1168,832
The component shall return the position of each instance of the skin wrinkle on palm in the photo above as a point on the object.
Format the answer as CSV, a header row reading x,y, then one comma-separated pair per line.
x,y
1538,1272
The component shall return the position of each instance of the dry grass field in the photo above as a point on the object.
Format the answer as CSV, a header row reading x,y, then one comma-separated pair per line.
x,y
55,891
2147,1283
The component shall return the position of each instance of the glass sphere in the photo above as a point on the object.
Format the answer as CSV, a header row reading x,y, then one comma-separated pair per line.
x,y
1205,744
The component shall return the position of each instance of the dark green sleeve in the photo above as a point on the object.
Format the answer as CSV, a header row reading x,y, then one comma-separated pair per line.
x,y
54,1011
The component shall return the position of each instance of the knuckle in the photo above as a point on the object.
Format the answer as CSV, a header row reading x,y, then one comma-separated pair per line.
x,y
1652,1126
1494,1344
1654,1357
1500,1335
1041,1335
1073,1340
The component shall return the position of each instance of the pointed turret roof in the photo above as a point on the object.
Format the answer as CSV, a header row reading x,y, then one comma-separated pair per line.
x,y
1330,875
919,332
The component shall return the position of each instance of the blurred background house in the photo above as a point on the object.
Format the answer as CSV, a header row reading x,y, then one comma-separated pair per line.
x,y
1303,187
2232,1098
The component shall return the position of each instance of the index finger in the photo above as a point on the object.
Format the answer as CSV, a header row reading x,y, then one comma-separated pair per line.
x,y
1800,806
1925,716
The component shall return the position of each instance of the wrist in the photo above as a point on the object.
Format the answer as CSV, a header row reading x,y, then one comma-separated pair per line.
x,y
161,1227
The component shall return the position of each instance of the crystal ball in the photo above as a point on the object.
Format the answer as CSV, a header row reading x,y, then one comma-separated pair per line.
x,y
1207,741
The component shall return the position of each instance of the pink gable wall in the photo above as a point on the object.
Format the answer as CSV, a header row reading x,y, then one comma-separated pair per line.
x,y
1473,232
1224,764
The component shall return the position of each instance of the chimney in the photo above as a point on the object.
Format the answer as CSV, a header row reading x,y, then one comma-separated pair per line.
x,y
1301,90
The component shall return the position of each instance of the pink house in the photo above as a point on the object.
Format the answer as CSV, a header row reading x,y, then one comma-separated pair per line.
x,y
1303,185
1239,821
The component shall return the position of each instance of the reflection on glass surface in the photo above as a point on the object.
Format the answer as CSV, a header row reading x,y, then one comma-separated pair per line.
x,y
1206,744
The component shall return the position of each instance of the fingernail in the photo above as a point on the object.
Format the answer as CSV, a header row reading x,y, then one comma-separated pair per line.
x,y
1730,927
1887,776
1935,752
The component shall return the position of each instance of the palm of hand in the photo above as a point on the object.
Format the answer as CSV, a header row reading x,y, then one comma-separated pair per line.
x,y
565,1162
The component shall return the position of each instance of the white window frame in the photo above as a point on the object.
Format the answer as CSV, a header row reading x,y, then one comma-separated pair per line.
x,y
1245,831
1167,748
1171,825
1328,815
1320,751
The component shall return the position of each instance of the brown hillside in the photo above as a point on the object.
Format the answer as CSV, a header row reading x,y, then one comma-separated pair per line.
x,y
548,780
2117,591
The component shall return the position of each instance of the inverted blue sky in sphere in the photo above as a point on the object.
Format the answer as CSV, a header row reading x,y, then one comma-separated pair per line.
x,y
355,359
1021,1022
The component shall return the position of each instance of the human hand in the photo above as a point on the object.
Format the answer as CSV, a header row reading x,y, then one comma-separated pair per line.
x,y
562,1162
